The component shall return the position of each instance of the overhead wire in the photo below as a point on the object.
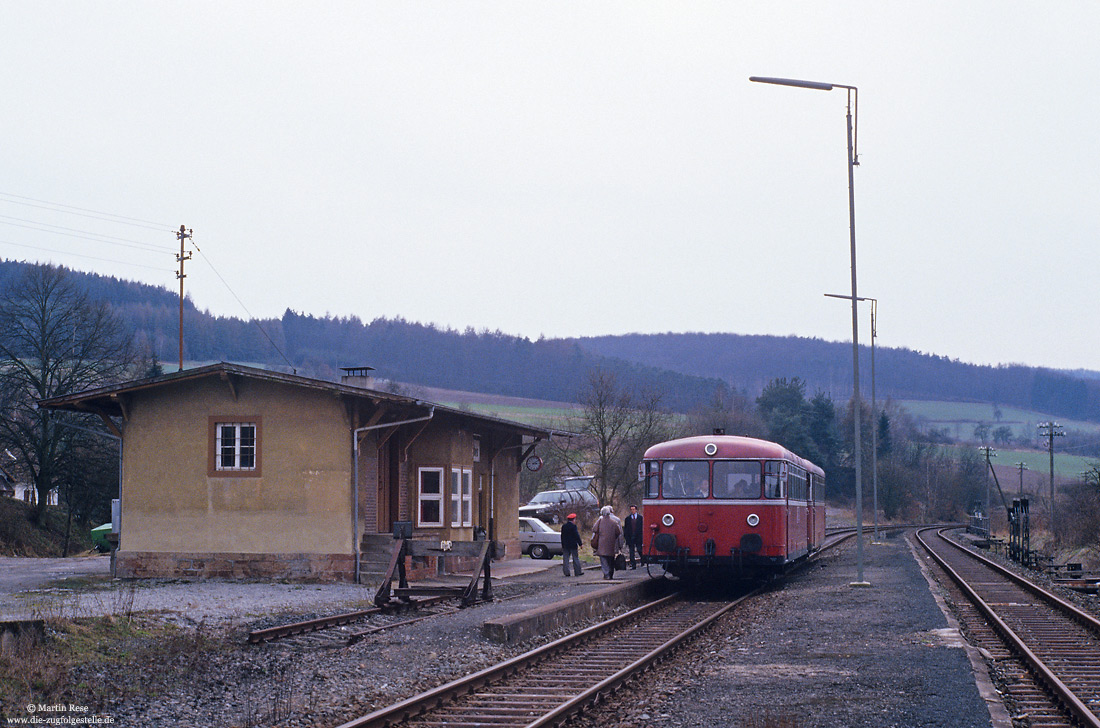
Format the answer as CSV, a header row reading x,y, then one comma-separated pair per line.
x,y
74,233
52,229
79,255
238,298
84,211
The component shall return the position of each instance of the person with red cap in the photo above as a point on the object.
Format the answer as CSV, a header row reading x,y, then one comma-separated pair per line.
x,y
570,545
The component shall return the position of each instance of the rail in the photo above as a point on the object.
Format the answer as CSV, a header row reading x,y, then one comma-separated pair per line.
x,y
1026,649
551,697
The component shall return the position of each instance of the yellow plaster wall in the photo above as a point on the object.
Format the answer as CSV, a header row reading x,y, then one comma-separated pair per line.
x,y
301,503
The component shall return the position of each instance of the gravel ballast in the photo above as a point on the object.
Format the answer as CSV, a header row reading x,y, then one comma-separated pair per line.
x,y
813,651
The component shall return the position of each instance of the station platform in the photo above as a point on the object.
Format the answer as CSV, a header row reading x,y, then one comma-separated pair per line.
x,y
814,651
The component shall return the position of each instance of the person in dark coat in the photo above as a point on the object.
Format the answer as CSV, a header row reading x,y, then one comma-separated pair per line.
x,y
632,532
570,545
607,537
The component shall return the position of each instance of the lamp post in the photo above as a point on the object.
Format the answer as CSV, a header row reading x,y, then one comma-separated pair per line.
x,y
853,160
874,409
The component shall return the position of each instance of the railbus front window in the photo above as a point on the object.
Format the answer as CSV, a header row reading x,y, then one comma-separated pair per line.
x,y
685,479
737,479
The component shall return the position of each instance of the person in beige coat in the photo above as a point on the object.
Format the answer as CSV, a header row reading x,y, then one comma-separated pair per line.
x,y
607,540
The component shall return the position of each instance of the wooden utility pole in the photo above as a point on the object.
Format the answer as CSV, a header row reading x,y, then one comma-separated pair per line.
x,y
1021,467
989,453
1051,430
183,235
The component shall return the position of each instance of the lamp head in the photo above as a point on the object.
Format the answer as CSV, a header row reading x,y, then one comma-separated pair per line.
x,y
793,82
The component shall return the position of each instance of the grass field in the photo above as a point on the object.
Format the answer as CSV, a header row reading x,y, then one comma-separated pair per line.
x,y
549,417
1037,466
960,418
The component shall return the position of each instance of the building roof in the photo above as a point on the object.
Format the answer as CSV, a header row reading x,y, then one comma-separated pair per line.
x,y
110,401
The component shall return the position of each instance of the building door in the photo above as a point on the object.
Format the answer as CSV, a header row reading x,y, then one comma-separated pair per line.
x,y
389,482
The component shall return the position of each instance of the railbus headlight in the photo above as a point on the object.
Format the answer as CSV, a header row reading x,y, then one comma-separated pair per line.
x,y
668,520
753,520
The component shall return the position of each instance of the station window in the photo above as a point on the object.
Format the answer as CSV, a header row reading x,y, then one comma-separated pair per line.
x,y
738,479
461,497
430,511
685,479
234,447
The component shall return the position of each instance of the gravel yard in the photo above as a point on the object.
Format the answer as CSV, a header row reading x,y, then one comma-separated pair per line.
x,y
816,652
202,672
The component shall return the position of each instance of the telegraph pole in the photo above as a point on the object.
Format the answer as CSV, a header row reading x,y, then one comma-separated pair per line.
x,y
1021,467
1051,430
183,235
989,453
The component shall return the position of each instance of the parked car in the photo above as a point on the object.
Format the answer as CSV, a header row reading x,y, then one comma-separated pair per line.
x,y
552,506
537,539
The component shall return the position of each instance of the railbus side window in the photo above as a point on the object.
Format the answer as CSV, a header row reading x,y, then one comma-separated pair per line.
x,y
737,479
797,481
685,479
774,474
651,480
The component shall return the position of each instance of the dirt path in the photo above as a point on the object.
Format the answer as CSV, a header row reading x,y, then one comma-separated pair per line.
x,y
21,574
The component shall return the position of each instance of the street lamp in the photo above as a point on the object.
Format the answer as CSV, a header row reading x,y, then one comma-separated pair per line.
x,y
874,408
853,160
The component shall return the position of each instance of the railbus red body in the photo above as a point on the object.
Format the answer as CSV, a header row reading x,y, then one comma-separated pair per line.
x,y
738,506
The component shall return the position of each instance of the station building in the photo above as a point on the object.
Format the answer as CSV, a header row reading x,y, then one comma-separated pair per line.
x,y
238,472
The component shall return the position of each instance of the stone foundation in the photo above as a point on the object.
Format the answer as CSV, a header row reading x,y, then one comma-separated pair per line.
x,y
296,567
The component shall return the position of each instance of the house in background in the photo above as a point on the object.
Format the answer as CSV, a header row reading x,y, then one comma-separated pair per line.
x,y
12,487
233,471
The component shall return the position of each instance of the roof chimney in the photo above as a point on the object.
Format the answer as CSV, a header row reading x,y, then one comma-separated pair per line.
x,y
357,377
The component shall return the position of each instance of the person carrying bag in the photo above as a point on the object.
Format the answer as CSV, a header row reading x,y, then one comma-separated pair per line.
x,y
607,541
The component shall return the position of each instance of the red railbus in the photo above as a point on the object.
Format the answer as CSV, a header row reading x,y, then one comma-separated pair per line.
x,y
719,505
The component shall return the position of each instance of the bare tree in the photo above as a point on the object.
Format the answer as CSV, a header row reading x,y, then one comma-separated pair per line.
x,y
617,425
53,341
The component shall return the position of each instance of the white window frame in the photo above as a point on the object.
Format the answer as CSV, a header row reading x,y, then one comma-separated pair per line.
x,y
429,497
237,452
462,497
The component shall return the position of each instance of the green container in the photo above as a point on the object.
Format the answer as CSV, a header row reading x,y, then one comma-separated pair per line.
x,y
99,538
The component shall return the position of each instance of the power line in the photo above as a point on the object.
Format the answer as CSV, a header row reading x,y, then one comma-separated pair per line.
x,y
83,211
52,229
94,237
252,318
79,255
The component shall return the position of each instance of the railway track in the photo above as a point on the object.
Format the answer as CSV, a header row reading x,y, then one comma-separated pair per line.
x,y
283,631
1047,650
536,689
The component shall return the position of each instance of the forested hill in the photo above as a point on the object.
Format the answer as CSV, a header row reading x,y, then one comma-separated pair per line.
x,y
399,350
689,369
489,362
749,362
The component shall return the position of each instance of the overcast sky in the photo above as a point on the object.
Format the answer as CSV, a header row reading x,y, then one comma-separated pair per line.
x,y
570,169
